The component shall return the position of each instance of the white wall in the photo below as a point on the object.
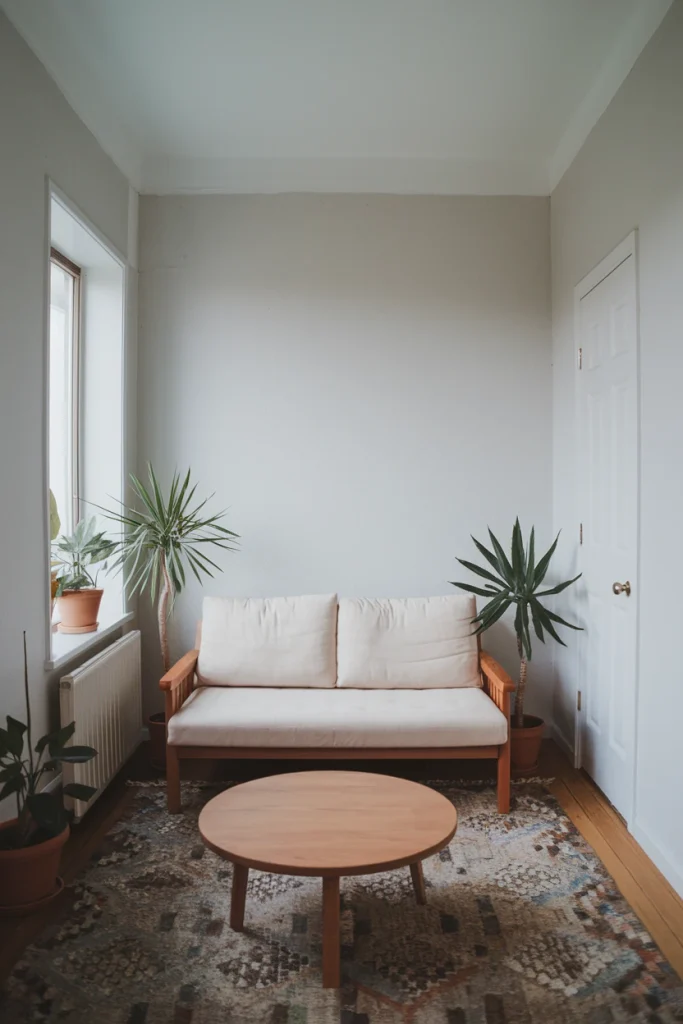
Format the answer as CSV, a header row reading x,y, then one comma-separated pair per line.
x,y
365,380
39,136
628,175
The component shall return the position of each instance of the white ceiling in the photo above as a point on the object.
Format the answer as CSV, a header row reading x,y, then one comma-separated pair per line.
x,y
424,96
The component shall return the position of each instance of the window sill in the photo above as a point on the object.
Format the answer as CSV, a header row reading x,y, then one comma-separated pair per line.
x,y
65,647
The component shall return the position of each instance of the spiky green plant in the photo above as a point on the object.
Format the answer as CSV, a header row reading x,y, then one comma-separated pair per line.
x,y
166,535
517,580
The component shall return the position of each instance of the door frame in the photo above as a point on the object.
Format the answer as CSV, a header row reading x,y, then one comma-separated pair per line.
x,y
625,249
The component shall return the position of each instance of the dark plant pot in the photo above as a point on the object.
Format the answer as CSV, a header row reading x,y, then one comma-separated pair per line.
x,y
157,740
29,875
526,745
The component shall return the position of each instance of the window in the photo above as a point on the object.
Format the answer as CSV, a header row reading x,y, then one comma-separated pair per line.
x,y
85,405
65,315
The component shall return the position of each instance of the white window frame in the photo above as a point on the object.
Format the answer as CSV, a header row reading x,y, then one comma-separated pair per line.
x,y
53,193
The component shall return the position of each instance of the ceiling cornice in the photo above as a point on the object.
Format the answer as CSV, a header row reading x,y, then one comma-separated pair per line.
x,y
389,176
636,34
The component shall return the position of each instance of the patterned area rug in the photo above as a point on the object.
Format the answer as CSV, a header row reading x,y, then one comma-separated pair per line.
x,y
522,926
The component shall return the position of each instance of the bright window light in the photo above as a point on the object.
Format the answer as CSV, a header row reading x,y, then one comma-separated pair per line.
x,y
64,320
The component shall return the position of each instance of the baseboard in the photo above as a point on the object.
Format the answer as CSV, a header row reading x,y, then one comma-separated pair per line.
x,y
672,874
563,743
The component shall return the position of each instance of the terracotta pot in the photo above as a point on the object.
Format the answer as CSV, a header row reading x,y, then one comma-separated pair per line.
x,y
78,610
526,744
30,874
157,740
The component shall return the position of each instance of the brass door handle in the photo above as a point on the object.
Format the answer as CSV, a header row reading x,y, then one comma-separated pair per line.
x,y
622,588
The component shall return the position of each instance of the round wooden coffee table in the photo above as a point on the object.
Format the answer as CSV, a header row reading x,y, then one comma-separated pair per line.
x,y
326,824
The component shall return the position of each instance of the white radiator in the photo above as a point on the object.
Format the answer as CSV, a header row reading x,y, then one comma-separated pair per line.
x,y
103,697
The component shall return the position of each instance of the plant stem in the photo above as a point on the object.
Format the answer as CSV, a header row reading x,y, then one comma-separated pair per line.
x,y
28,708
521,687
162,613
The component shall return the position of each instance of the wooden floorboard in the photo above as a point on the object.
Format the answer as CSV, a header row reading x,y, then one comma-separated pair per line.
x,y
654,901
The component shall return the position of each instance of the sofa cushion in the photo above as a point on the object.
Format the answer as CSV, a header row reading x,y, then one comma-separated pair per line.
x,y
236,717
417,643
277,641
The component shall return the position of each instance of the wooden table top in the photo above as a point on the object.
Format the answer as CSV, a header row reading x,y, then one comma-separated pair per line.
x,y
327,823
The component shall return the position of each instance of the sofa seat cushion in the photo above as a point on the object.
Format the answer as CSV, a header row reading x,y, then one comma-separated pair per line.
x,y
416,643
276,641
265,717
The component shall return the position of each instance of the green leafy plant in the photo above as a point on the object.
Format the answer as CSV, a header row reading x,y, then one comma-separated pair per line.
x,y
516,580
78,554
40,815
166,535
55,522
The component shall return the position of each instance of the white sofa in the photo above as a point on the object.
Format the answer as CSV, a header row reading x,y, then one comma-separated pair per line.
x,y
322,677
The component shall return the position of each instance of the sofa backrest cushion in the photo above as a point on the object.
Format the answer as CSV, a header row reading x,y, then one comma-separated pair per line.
x,y
415,643
277,641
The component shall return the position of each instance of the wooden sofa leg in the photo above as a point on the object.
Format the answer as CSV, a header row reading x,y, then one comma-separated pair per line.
x,y
504,778
172,780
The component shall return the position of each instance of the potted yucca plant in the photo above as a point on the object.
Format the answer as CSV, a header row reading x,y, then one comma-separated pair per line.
x,y
163,537
75,558
31,844
517,581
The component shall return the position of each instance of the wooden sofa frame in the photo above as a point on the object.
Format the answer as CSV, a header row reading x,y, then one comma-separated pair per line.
x,y
178,684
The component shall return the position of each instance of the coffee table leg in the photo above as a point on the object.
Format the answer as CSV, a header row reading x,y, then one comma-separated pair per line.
x,y
331,966
240,876
418,882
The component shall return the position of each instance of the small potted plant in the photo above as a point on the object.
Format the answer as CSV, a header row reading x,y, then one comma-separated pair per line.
x,y
77,592
166,535
517,581
31,844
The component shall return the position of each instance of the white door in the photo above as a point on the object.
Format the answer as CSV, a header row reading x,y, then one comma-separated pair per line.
x,y
608,506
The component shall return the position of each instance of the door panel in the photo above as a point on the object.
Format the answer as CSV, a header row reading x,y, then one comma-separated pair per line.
x,y
608,498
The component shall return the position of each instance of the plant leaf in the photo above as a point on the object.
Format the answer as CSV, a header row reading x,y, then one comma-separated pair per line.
x,y
538,626
562,622
479,591
74,755
15,735
490,558
479,571
78,791
530,565
546,622
542,567
12,771
558,589
12,786
518,560
504,564
493,618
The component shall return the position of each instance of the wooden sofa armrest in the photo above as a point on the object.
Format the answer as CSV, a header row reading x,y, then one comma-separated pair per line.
x,y
497,683
495,677
499,686
178,682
